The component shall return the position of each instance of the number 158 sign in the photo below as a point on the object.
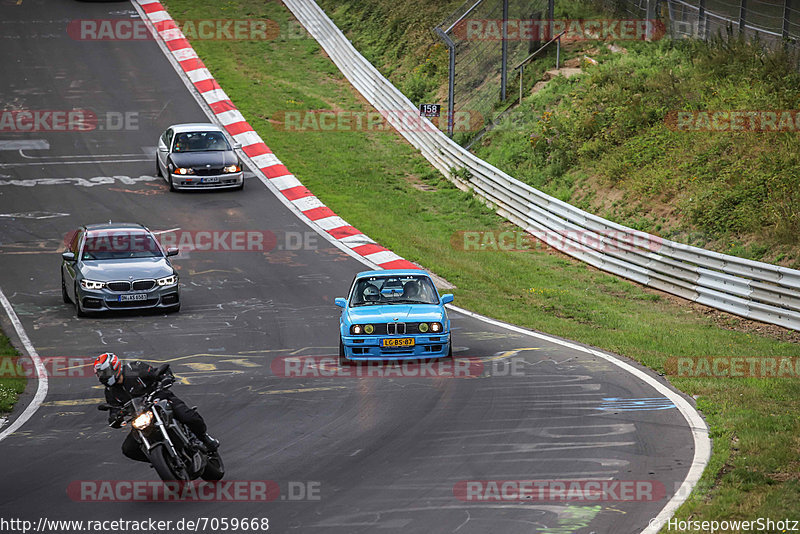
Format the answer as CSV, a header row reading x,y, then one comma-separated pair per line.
x,y
430,110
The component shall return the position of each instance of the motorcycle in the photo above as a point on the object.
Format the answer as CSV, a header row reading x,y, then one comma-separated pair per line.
x,y
170,447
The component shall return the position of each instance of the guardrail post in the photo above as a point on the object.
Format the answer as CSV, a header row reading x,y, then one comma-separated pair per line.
x,y
451,46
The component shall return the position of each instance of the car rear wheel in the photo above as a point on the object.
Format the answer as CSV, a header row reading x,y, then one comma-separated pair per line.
x,y
343,361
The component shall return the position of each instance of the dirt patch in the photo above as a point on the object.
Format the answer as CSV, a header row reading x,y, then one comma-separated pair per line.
x,y
414,181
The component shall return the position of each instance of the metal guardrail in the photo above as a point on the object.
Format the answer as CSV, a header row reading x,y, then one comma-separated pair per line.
x,y
751,289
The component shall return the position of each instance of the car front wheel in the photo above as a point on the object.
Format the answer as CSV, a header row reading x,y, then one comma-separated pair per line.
x,y
343,361
78,310
64,295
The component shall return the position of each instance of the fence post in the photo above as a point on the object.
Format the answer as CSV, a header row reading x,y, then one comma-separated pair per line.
x,y
787,6
451,46
504,53
652,10
702,21
742,14
550,14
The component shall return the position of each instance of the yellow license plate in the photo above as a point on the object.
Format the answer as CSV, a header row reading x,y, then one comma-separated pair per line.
x,y
398,342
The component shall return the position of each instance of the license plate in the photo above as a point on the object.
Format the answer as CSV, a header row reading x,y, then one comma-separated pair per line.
x,y
214,180
398,342
135,296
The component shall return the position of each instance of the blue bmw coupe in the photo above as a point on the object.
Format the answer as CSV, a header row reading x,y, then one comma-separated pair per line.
x,y
393,315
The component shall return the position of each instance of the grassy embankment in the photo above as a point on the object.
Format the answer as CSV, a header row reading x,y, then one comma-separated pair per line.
x,y
10,385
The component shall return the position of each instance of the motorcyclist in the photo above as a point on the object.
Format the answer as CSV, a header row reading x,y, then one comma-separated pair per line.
x,y
136,379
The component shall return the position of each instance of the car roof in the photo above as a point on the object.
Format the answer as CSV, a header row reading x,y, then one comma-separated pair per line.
x,y
115,226
393,272
195,126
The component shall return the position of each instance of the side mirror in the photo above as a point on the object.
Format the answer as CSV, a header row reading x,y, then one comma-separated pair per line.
x,y
172,251
237,146
163,149
339,301
68,256
447,298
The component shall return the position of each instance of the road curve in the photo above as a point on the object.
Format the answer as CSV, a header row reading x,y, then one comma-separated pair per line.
x,y
383,453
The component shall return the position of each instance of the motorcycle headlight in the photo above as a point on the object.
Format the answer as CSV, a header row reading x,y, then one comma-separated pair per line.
x,y
436,327
168,280
143,420
232,168
92,284
183,170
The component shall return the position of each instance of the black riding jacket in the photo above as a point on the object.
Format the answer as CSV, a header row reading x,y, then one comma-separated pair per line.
x,y
139,379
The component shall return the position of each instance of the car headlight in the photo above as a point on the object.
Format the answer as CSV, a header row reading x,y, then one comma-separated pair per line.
x,y
183,170
436,327
368,329
143,420
231,168
168,280
356,329
92,284
423,327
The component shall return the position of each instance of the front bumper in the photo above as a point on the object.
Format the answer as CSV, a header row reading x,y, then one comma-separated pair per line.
x,y
191,181
365,348
105,300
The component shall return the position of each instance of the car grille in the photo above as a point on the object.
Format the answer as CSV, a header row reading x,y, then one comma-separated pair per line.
x,y
136,285
119,286
144,285
210,171
394,329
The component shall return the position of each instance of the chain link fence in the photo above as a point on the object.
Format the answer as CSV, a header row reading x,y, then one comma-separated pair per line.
x,y
772,21
481,60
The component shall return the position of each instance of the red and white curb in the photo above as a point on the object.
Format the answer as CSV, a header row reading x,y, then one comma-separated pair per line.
x,y
259,153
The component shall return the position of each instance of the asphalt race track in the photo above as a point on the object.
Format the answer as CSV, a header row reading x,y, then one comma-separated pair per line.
x,y
371,454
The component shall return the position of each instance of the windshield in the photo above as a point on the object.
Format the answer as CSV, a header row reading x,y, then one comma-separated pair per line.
x,y
200,142
374,290
120,245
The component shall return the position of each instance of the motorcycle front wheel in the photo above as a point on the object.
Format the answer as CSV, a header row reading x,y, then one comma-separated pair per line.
x,y
163,466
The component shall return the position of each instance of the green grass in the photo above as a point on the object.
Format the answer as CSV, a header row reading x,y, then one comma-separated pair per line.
x,y
10,387
368,178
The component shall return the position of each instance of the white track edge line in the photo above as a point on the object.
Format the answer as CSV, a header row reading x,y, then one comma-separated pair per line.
x,y
697,425
41,388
